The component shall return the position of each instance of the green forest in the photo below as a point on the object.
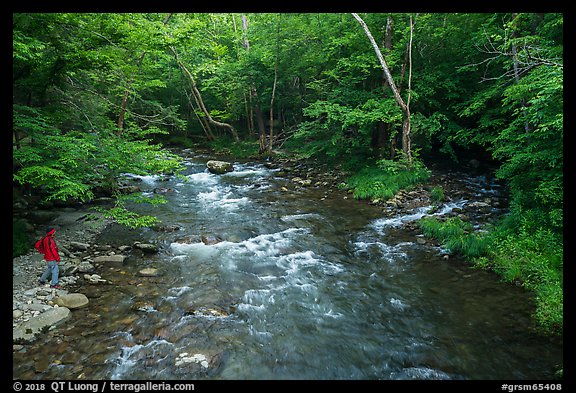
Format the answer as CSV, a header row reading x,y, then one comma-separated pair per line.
x,y
99,94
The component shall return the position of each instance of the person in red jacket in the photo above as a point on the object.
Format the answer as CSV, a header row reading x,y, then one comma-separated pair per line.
x,y
52,257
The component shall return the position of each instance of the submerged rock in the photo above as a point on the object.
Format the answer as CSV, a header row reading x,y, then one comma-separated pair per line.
x,y
149,272
110,258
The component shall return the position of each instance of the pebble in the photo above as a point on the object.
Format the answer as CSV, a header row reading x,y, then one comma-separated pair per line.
x,y
29,297
196,358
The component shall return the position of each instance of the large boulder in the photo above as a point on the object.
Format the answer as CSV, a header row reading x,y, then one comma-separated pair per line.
x,y
219,167
29,330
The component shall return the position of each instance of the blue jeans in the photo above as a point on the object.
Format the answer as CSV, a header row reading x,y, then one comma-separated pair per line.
x,y
51,268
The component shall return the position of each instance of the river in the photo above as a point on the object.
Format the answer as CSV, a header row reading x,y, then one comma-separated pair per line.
x,y
294,283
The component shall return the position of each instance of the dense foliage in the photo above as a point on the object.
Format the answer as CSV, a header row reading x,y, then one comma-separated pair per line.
x,y
96,95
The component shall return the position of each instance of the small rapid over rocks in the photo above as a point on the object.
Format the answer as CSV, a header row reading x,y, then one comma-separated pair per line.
x,y
271,272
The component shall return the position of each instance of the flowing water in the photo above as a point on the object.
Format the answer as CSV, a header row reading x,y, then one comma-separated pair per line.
x,y
300,284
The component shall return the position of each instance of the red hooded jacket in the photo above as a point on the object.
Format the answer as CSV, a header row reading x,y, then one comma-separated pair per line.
x,y
50,249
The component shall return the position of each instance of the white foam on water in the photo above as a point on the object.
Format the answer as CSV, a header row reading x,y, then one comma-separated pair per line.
x,y
208,197
234,201
398,304
331,314
205,178
267,278
258,296
382,223
221,198
179,291
125,362
420,373
304,216
298,275
146,179
246,170
263,246
391,253
260,334
199,250
247,308
448,207
294,263
285,270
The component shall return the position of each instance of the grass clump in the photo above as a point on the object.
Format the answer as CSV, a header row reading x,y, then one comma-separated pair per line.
x,y
456,235
386,178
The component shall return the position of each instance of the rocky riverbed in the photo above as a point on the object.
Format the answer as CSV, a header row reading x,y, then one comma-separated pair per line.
x,y
32,299
88,268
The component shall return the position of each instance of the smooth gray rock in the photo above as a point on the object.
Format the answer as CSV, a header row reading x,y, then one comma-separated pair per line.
x,y
29,330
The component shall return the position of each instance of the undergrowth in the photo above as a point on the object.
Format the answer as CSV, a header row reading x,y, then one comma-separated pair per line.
x,y
386,178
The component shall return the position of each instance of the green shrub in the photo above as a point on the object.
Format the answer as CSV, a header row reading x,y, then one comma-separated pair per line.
x,y
437,194
443,231
550,306
388,177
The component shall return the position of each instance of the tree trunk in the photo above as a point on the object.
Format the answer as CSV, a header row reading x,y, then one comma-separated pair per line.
x,y
406,125
397,97
199,100
515,65
124,105
245,30
261,126
272,110
383,133
255,106
259,117
202,121
249,122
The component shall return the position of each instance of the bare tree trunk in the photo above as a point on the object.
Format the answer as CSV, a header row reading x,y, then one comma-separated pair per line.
x,y
120,124
199,100
406,126
383,132
397,97
253,92
272,109
202,121
388,35
245,30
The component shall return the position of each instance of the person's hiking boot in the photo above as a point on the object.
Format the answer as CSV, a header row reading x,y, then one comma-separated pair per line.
x,y
55,286
41,282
